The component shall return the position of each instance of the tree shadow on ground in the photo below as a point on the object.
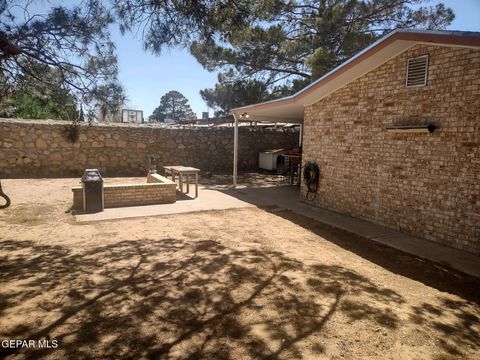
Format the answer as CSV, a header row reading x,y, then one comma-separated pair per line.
x,y
456,321
177,299
246,179
429,273
461,332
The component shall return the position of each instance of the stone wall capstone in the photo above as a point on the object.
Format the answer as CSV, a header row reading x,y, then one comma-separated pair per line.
x,y
39,148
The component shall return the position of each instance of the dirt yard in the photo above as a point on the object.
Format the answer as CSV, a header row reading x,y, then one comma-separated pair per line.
x,y
234,284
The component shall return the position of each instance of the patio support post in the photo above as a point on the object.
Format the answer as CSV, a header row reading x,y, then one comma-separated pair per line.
x,y
300,135
235,150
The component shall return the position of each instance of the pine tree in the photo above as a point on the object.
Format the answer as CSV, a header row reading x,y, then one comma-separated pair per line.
x,y
173,106
283,44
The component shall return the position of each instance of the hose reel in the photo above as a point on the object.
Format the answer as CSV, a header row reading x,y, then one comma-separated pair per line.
x,y
4,196
311,177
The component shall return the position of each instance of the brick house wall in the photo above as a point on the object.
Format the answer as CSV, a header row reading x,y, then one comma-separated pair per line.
x,y
426,185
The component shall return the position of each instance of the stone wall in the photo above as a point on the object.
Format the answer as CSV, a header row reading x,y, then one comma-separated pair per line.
x,y
36,148
427,185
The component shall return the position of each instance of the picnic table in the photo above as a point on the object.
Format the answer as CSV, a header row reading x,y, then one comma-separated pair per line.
x,y
182,171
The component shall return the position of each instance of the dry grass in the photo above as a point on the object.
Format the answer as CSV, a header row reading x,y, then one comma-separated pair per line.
x,y
236,284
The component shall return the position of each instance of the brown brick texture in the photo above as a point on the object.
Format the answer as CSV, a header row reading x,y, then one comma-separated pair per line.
x,y
426,185
158,190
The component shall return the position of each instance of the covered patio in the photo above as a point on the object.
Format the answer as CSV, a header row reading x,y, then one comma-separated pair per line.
x,y
274,112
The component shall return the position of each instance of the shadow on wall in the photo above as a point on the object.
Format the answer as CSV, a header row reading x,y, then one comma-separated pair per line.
x,y
159,298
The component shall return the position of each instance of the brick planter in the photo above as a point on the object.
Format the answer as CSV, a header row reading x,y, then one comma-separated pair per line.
x,y
157,190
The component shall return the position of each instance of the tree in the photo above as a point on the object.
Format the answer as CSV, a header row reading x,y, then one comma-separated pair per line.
x,y
31,99
74,41
173,106
32,106
227,95
107,100
303,40
281,43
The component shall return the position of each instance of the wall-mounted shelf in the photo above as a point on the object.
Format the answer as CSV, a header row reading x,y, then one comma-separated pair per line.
x,y
411,129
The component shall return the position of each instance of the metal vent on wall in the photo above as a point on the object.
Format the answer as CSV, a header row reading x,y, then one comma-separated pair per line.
x,y
417,70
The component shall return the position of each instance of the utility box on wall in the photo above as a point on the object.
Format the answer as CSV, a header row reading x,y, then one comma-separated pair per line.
x,y
132,116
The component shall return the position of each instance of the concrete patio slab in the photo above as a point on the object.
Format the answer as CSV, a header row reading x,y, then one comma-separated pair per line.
x,y
207,200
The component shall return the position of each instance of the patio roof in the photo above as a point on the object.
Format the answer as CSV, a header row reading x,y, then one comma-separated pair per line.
x,y
290,108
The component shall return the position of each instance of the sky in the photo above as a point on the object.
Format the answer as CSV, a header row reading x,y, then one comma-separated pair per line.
x,y
147,77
